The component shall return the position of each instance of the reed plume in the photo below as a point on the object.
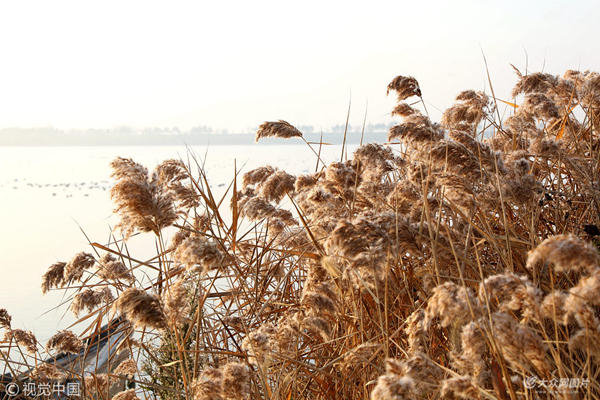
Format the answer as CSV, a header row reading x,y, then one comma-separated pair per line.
x,y
89,299
278,129
405,87
142,309
23,338
126,395
65,341
5,319
110,268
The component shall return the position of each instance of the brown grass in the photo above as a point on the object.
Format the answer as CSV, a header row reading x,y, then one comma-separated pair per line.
x,y
460,262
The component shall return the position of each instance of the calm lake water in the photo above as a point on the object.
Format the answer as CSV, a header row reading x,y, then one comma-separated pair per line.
x,y
51,198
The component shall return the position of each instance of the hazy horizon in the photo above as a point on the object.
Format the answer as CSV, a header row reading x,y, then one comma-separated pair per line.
x,y
74,65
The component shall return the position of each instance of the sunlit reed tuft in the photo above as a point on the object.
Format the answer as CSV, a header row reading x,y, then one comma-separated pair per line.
x,y
279,129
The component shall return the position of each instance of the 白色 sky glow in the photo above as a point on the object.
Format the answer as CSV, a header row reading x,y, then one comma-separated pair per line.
x,y
232,65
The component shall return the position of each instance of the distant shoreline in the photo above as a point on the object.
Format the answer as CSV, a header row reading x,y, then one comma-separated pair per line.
x,y
23,138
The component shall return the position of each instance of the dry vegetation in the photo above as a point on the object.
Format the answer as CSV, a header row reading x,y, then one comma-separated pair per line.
x,y
459,260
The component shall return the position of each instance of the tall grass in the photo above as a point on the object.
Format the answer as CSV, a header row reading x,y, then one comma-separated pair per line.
x,y
457,260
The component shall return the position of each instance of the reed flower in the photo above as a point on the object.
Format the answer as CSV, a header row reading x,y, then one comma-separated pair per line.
x,y
129,394
260,345
126,368
361,354
47,371
258,175
590,90
464,387
417,335
587,339
74,269
471,360
509,292
521,346
279,129
99,383
90,299
257,208
277,186
404,110
566,252
452,304
587,288
395,384
471,108
23,338
54,277
414,133
405,86
5,319
540,106
454,157
553,307
235,381
199,255
304,182
176,303
319,327
110,268
535,83
143,203
65,341
208,385
144,310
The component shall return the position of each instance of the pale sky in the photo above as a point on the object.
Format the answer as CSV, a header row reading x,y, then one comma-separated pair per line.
x,y
235,64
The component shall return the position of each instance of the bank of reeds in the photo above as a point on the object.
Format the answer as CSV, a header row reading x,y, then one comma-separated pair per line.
x,y
458,260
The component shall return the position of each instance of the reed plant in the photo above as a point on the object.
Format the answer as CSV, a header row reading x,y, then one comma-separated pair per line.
x,y
457,260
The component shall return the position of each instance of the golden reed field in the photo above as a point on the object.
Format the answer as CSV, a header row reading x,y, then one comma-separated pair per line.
x,y
458,260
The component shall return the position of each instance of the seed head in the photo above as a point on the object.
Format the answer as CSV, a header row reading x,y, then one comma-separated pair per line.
x,y
236,381
142,309
405,86
65,341
565,252
280,129
54,277
90,299
110,268
126,395
126,368
23,338
5,319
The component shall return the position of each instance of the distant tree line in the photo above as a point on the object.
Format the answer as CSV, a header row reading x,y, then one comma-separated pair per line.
x,y
128,135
